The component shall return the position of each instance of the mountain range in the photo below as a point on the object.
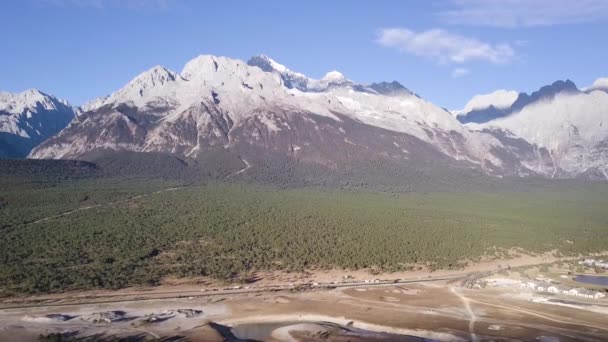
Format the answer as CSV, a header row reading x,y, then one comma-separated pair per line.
x,y
261,120
565,125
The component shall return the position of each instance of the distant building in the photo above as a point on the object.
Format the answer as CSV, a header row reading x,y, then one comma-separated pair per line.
x,y
581,292
560,289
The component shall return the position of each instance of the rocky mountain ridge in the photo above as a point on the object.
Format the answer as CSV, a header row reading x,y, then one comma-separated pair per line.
x,y
264,116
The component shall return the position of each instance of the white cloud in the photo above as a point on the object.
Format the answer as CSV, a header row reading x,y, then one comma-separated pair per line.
x,y
524,13
444,47
460,72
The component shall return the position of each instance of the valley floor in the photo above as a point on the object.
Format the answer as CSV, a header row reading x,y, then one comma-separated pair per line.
x,y
105,258
438,309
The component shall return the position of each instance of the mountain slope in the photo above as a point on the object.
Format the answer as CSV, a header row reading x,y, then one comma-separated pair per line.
x,y
28,118
280,124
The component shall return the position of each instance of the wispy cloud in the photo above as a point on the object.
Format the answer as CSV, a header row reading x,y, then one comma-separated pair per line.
x,y
460,72
444,47
102,4
523,13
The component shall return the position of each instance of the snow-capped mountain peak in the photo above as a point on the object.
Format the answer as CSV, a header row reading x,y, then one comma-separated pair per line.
x,y
157,76
28,118
138,91
203,66
29,99
213,95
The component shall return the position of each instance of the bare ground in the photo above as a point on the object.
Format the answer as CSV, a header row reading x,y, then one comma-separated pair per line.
x,y
435,310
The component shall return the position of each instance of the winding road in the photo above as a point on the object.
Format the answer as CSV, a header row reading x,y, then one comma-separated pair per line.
x,y
247,167
473,317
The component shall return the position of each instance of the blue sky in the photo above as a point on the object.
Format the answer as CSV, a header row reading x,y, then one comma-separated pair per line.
x,y
446,51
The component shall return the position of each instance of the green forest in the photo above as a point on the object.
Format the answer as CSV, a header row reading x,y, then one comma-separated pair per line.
x,y
230,230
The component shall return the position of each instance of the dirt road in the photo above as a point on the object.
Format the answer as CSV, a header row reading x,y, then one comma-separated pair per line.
x,y
473,318
103,205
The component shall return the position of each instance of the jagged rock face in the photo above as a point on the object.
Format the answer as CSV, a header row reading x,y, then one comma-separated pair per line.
x,y
27,119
